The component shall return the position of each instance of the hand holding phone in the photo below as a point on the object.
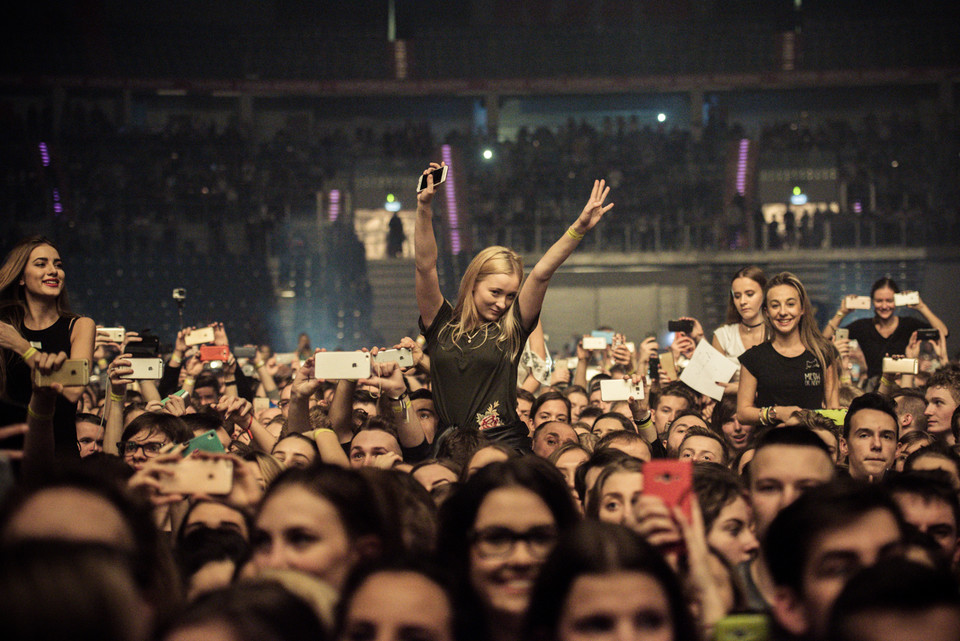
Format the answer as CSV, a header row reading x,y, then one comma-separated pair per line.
x,y
197,475
857,302
439,176
73,372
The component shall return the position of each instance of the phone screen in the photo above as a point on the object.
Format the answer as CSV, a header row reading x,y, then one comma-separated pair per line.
x,y
439,176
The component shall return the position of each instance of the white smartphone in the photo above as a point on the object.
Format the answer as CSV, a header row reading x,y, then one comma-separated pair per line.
x,y
439,176
620,389
841,333
199,336
287,358
260,403
74,371
145,369
402,356
857,302
900,365
342,365
594,342
114,334
903,299
199,476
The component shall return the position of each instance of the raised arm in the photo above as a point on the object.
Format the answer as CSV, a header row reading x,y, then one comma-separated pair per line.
x,y
932,318
429,298
834,323
534,287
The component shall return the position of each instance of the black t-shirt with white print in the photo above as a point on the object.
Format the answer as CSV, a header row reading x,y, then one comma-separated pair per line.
x,y
783,380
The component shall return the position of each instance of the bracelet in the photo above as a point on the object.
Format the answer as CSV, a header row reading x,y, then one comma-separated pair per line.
x,y
574,234
175,362
39,417
886,381
845,378
116,398
765,416
232,381
258,364
189,381
30,352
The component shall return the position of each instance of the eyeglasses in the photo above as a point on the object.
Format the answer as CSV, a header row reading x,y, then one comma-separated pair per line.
x,y
149,449
500,541
282,404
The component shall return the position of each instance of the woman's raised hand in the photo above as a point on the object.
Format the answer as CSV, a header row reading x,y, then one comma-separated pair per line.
x,y
425,197
594,210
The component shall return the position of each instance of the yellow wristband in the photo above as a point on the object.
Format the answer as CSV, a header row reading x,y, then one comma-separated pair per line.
x,y
39,417
116,398
189,381
30,352
574,234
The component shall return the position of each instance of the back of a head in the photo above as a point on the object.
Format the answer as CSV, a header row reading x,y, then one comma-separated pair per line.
x,y
798,527
900,595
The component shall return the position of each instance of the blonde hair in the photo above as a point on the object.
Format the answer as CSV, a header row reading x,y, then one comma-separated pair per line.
x,y
466,319
810,335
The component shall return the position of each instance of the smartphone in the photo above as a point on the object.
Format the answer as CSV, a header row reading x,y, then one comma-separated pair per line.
x,y
842,333
402,356
685,326
147,346
179,393
199,336
245,352
260,403
742,627
287,358
668,366
114,334
594,342
439,176
928,334
899,365
145,369
214,353
906,298
207,442
75,371
672,481
342,365
199,476
857,302
631,347
653,369
605,334
620,389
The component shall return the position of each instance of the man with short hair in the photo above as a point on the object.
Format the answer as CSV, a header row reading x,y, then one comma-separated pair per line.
x,y
672,400
375,447
943,397
928,503
421,404
819,541
702,445
787,462
89,434
910,407
870,433
549,436
677,429
627,442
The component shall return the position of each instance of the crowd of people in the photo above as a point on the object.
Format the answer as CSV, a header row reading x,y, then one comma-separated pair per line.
x,y
145,184
773,479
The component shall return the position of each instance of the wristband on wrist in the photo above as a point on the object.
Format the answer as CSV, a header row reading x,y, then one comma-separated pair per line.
x,y
189,381
38,416
885,381
30,352
116,398
258,364
175,361
574,234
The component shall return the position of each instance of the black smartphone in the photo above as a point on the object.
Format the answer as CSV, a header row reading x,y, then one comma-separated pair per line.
x,y
653,369
928,334
147,347
685,326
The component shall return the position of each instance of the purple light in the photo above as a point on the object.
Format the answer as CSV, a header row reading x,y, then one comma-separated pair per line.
x,y
742,165
857,207
57,207
451,202
334,204
44,154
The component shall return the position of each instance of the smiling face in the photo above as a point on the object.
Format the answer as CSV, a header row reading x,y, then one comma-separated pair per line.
x,y
43,274
747,298
883,305
493,295
784,309
504,581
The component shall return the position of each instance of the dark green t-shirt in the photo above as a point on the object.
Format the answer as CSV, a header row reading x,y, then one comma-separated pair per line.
x,y
474,380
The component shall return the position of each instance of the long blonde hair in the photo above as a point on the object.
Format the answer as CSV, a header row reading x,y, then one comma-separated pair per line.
x,y
810,335
466,319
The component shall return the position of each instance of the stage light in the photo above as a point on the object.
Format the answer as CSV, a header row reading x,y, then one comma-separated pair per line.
x,y
487,154
661,117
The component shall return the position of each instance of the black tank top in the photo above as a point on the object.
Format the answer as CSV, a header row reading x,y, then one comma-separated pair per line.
x,y
55,338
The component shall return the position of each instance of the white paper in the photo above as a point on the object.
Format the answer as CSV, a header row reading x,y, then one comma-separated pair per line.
x,y
706,368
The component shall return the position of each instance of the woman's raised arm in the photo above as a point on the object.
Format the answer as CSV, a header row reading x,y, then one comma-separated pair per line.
x,y
429,298
534,287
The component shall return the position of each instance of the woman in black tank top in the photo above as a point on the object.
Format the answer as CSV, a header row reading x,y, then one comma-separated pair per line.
x,y
35,317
